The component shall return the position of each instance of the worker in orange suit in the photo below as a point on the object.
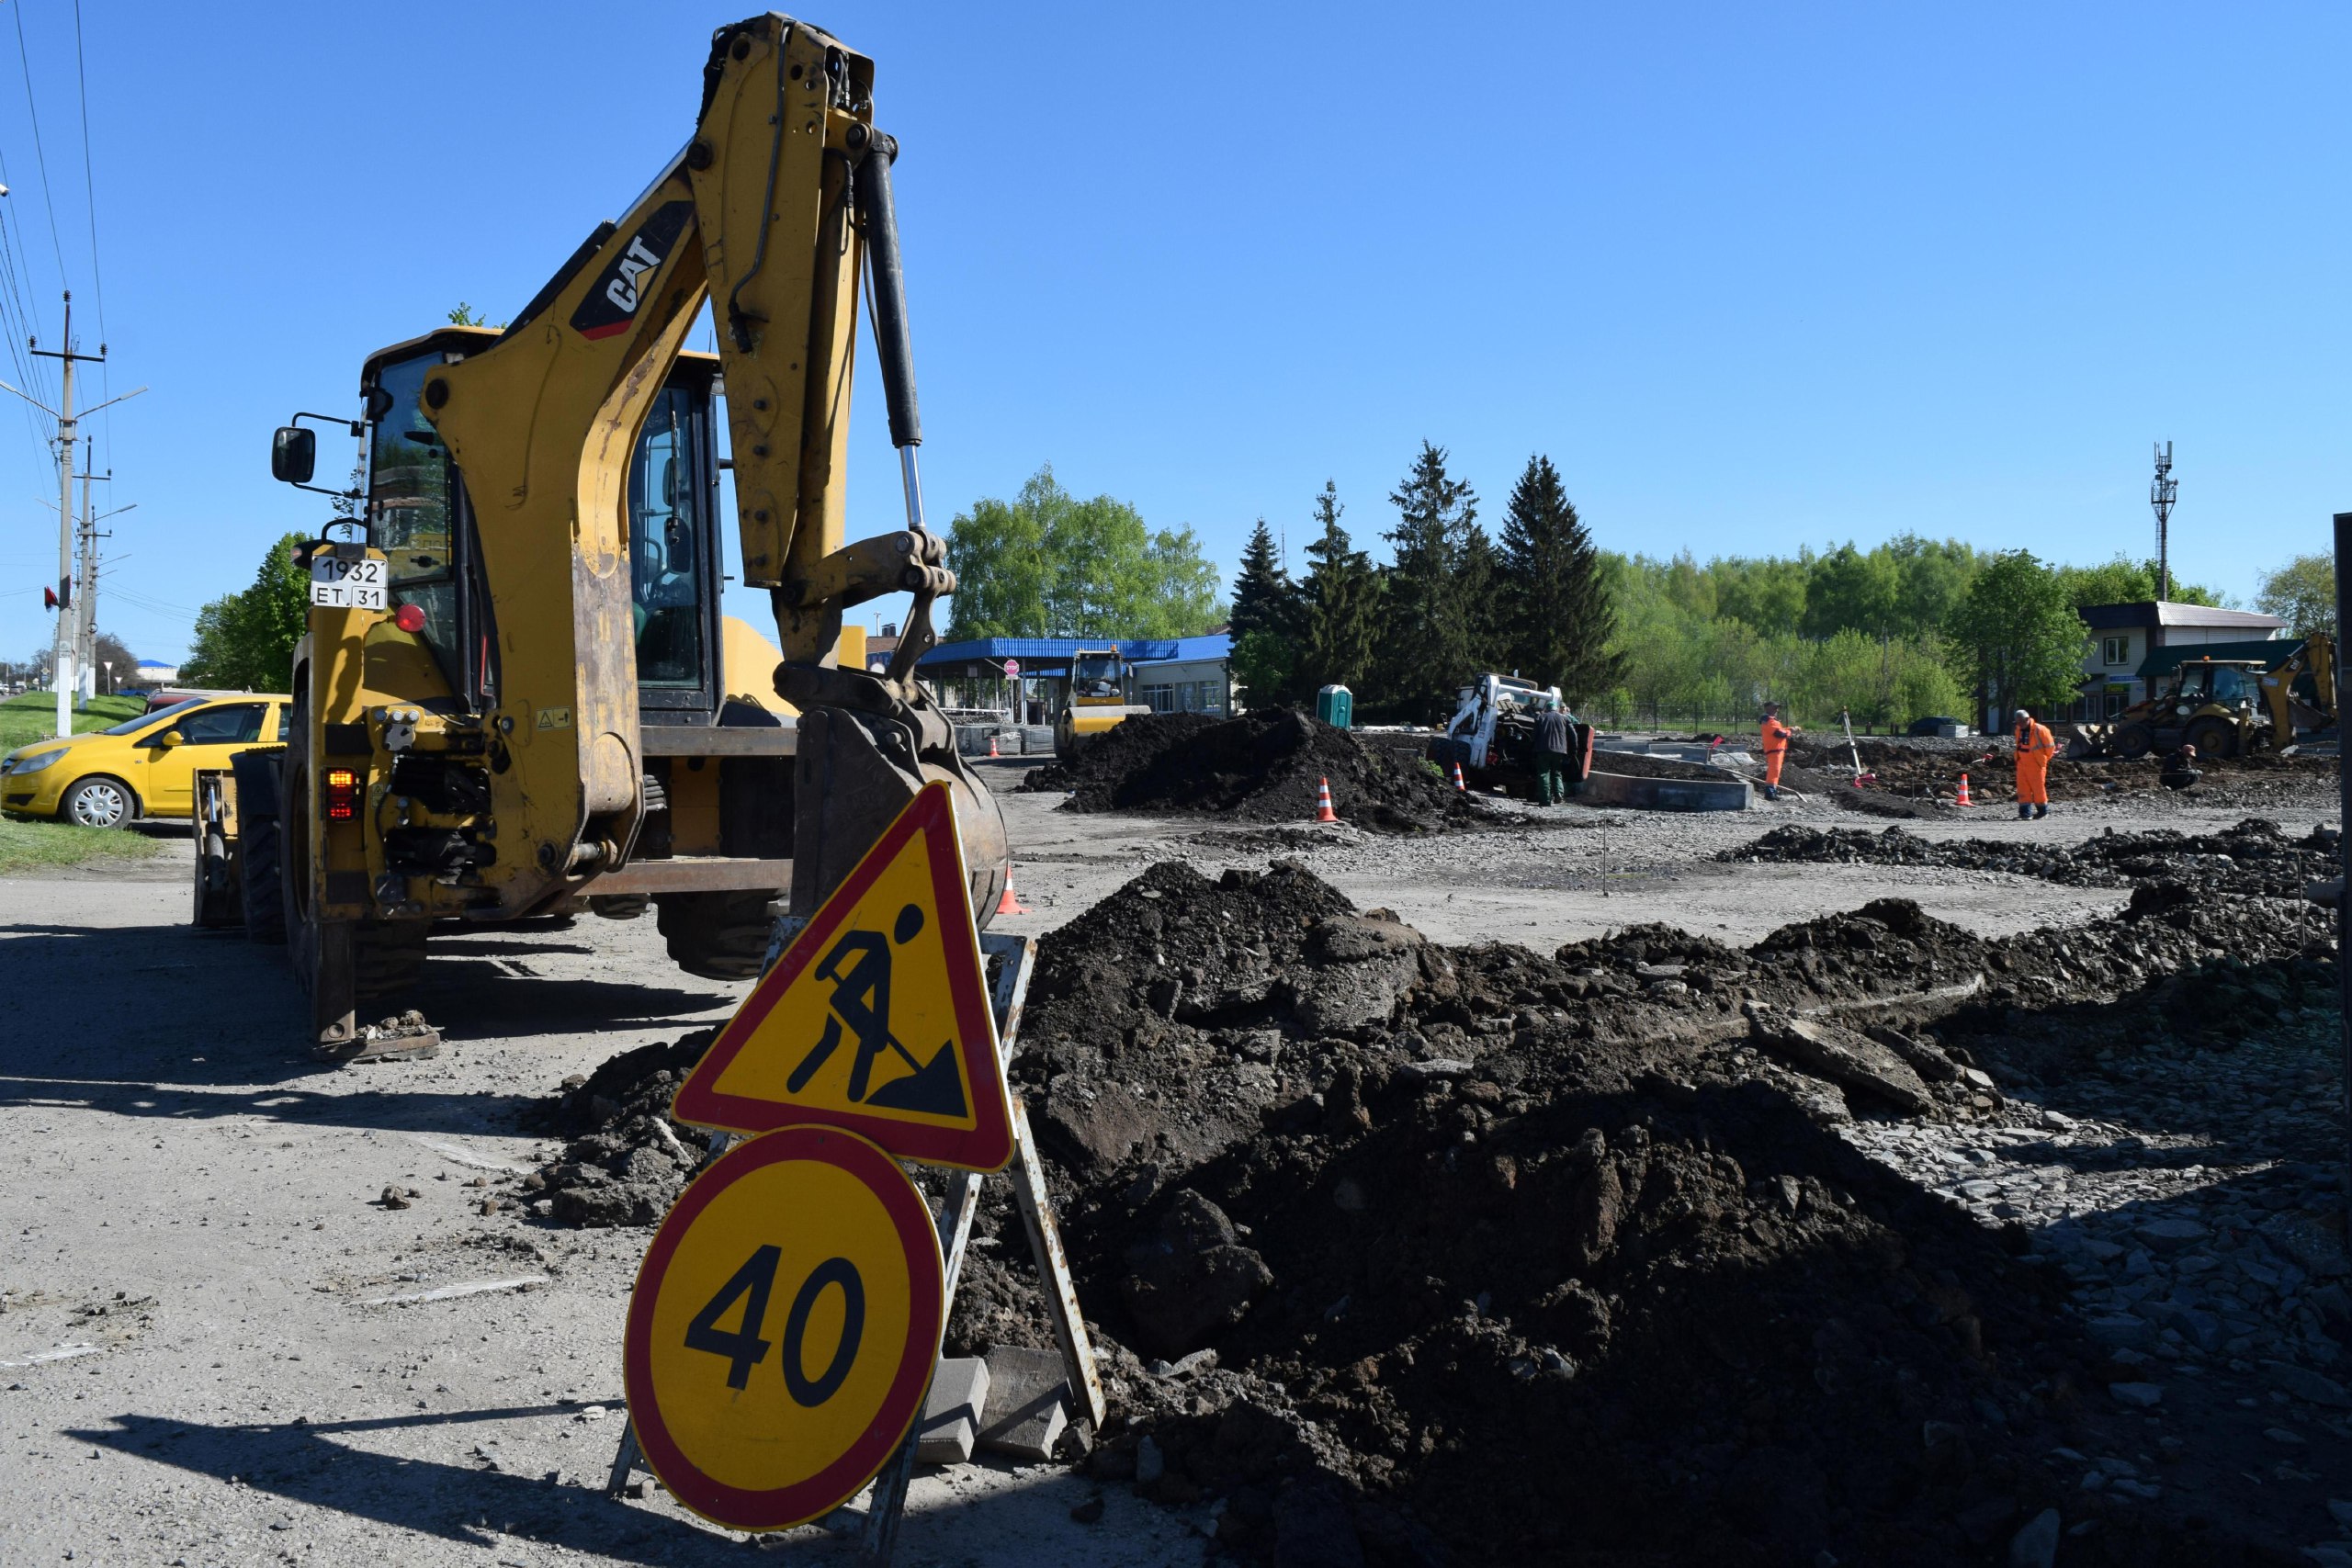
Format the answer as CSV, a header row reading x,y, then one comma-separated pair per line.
x,y
2035,748
1775,742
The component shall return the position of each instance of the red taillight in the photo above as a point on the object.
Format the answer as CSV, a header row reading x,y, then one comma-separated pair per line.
x,y
343,794
409,618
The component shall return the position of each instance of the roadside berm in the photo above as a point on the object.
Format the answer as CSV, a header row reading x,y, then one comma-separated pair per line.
x,y
1264,766
1402,1253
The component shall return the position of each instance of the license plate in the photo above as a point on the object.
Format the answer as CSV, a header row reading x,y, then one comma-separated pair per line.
x,y
339,584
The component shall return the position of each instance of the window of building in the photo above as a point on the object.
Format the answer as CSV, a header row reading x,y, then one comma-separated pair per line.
x,y
2115,650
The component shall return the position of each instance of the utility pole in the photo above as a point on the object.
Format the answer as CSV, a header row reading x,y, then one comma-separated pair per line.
x,y
61,672
2160,496
85,594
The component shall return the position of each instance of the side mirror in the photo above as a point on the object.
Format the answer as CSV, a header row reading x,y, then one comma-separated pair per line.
x,y
293,455
169,739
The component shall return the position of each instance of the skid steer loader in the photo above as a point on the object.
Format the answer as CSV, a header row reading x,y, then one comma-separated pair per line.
x,y
510,702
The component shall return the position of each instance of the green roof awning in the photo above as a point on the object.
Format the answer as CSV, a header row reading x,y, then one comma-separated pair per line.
x,y
2272,651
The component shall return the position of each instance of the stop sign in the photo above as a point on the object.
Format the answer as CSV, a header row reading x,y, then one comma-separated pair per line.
x,y
1013,669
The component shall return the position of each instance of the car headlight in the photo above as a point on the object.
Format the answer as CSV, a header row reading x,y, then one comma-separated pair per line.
x,y
35,762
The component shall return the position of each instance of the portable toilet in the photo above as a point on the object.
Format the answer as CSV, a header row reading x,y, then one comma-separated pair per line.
x,y
1335,706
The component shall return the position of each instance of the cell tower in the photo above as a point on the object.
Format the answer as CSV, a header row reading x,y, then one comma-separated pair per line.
x,y
2161,495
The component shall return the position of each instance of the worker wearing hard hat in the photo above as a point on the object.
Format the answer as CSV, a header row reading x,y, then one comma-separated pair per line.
x,y
2035,748
1775,743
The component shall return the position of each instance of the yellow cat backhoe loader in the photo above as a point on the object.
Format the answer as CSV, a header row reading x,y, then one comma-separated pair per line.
x,y
511,701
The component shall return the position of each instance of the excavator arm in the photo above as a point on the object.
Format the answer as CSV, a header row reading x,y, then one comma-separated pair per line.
x,y
775,209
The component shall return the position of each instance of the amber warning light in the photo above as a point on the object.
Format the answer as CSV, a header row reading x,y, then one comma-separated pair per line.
x,y
343,794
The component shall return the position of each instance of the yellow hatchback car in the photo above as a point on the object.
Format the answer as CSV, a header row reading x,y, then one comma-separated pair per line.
x,y
142,767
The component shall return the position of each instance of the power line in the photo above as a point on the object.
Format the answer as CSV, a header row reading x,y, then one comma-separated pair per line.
x,y
24,59
90,192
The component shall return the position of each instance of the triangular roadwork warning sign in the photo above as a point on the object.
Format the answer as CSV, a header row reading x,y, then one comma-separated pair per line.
x,y
877,1018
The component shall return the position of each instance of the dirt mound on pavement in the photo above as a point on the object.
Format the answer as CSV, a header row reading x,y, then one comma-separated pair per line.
x,y
1260,767
2254,858
1390,1228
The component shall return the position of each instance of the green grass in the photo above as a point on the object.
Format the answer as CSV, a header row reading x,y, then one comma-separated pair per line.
x,y
33,717
35,846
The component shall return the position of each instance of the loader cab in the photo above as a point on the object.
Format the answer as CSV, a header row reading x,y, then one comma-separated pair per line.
x,y
2207,682
417,512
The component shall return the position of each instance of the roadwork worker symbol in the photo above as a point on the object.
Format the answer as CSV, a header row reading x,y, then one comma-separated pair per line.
x,y
877,1018
858,968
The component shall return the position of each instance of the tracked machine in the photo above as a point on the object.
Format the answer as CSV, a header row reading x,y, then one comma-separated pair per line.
x,y
517,697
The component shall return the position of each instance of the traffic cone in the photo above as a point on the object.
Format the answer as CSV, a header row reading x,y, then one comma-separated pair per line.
x,y
1963,799
1011,903
1458,785
992,757
1323,812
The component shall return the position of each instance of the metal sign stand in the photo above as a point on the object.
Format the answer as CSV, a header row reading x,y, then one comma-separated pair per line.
x,y
879,1537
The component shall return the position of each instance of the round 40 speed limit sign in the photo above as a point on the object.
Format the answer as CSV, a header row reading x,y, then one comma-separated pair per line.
x,y
784,1328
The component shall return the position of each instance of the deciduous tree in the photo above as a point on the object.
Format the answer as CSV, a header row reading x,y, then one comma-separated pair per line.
x,y
245,641
2301,594
2021,635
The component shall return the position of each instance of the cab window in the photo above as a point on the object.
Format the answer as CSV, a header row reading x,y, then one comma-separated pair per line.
x,y
665,547
233,724
2229,685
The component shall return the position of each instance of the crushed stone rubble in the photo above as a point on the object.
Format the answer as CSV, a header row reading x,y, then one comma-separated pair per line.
x,y
1921,775
1263,766
1874,1241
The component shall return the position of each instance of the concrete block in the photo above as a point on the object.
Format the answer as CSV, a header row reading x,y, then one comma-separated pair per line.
x,y
952,1412
1028,1402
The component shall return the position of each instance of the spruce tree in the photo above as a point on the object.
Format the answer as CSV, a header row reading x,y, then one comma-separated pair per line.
x,y
1427,629
1265,625
1482,590
1557,614
1341,596
1264,598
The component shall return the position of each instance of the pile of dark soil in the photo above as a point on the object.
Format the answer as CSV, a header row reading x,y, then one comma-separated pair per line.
x,y
1260,767
625,1161
2254,858
1412,1254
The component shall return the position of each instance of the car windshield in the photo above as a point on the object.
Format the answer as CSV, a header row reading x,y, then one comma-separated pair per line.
x,y
147,720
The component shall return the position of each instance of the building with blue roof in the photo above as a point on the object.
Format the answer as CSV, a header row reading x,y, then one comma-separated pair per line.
x,y
1181,674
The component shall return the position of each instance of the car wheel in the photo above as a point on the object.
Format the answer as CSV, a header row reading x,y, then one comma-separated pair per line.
x,y
99,801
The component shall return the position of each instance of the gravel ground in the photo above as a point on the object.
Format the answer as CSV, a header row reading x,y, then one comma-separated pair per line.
x,y
200,1362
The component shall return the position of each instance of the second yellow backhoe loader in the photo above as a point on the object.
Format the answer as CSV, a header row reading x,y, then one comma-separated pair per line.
x,y
2226,707
511,701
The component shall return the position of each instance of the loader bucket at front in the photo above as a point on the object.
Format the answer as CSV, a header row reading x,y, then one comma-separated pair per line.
x,y
854,772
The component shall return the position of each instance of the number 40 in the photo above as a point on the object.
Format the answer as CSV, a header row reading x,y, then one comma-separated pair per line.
x,y
743,1348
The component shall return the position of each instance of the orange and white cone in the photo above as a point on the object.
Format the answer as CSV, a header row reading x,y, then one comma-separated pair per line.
x,y
1458,785
992,757
1963,799
1011,903
1323,812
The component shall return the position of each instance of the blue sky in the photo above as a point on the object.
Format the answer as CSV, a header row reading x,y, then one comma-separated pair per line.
x,y
1754,277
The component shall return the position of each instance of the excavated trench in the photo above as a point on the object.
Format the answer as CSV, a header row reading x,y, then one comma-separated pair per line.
x,y
1409,1254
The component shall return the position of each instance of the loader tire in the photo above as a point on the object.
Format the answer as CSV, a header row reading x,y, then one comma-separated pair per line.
x,y
2134,740
718,936
258,846
2215,739
386,957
